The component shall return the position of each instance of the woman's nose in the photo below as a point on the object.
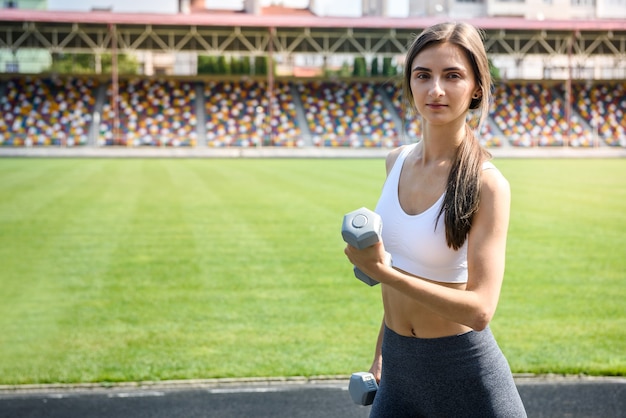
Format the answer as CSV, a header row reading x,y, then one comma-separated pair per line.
x,y
435,89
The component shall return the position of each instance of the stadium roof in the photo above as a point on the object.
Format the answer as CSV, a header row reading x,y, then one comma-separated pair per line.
x,y
301,20
246,34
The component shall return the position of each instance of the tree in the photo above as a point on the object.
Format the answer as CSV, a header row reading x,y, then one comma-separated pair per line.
x,y
245,66
374,71
223,66
126,64
389,69
86,64
360,68
236,65
495,71
207,64
72,64
260,65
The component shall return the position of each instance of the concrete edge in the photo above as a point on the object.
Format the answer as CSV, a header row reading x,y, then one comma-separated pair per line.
x,y
214,383
281,152
338,381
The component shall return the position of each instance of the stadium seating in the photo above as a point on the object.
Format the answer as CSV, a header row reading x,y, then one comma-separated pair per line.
x,y
236,114
412,124
342,114
285,131
533,114
603,106
46,111
151,112
41,111
486,136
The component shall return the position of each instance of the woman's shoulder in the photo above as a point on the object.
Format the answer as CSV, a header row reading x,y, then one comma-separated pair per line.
x,y
488,165
492,180
393,155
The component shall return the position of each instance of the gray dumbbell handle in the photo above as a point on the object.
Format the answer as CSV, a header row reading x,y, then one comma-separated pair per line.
x,y
362,228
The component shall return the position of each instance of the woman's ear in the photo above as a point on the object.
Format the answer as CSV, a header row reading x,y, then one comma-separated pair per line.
x,y
476,99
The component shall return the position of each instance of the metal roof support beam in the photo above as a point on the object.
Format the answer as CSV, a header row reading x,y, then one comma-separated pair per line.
x,y
303,40
94,37
93,45
126,41
157,39
387,39
244,40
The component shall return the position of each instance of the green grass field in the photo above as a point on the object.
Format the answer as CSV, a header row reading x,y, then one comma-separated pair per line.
x,y
139,269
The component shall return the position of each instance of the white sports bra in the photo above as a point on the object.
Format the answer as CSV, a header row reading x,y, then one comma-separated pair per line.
x,y
414,243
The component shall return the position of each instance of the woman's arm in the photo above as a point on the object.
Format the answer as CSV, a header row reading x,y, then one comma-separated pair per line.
x,y
476,305
377,364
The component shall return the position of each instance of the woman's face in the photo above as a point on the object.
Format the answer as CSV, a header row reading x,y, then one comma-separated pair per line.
x,y
442,84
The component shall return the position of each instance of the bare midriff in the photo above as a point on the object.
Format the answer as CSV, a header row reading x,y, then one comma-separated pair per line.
x,y
407,317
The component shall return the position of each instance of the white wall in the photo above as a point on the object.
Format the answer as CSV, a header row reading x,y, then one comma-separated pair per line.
x,y
120,6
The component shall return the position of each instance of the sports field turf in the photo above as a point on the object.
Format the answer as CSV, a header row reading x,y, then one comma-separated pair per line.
x,y
155,269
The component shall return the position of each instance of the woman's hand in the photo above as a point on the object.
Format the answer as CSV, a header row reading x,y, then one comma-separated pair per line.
x,y
369,260
376,369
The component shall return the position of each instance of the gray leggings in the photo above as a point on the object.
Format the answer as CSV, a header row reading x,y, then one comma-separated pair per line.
x,y
459,376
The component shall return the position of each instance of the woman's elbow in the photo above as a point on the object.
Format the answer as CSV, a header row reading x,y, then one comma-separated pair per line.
x,y
481,319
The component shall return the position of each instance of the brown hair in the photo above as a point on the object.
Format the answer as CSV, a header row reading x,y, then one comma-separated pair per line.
x,y
463,187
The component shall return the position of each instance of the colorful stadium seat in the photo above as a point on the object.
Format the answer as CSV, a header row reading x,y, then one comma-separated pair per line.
x,y
151,112
47,111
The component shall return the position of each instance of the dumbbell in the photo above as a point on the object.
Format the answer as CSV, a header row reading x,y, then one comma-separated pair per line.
x,y
362,228
362,388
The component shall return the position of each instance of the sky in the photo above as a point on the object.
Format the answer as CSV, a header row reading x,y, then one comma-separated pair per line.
x,y
397,8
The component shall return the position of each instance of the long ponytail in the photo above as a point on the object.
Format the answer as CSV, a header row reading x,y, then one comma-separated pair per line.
x,y
462,196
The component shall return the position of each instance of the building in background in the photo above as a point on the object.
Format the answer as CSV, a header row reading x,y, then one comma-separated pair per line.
x,y
27,60
374,8
529,9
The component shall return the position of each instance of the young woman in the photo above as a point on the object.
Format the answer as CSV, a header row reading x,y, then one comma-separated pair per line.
x,y
445,212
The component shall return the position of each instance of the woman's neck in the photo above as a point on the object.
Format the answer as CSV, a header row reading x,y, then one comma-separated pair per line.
x,y
440,143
